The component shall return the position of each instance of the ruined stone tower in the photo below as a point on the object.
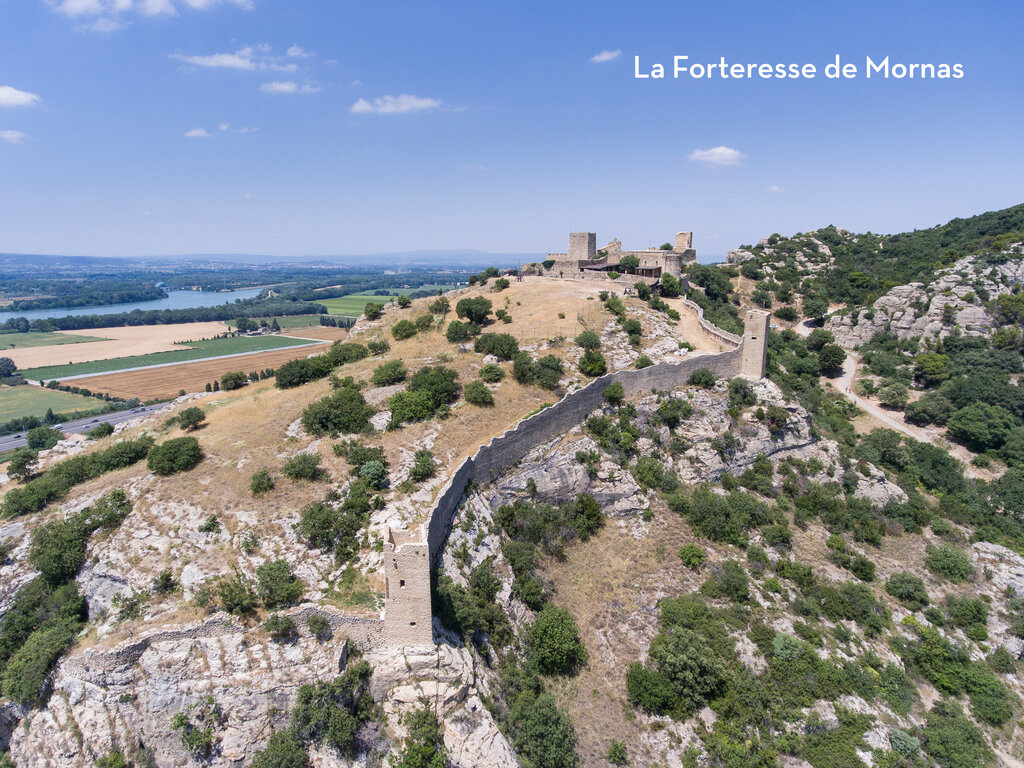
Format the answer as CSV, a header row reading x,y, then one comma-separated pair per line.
x,y
755,344
407,615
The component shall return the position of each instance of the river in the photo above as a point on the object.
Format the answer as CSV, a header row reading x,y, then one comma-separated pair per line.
x,y
174,300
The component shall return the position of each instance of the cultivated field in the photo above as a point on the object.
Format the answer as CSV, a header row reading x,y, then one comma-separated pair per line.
x,y
33,401
179,354
351,305
162,383
114,342
40,339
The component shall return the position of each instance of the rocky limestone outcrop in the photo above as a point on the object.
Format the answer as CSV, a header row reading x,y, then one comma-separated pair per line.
x,y
933,311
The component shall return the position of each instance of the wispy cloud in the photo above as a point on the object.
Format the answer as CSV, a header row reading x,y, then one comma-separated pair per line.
x,y
12,97
717,156
250,58
13,137
603,56
103,25
394,105
774,188
298,52
288,86
111,9
198,133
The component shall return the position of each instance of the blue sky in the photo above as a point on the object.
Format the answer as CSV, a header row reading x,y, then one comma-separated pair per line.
x,y
142,127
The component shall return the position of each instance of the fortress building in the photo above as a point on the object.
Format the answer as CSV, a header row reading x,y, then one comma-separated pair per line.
x,y
584,260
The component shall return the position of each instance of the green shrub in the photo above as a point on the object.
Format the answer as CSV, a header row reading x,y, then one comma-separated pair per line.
x,y
949,561
303,466
617,754
378,346
318,626
374,473
952,740
191,418
403,329
58,549
28,668
284,750
614,393
693,556
113,759
702,377
423,467
344,411
391,372
277,585
475,310
261,483
593,364
210,525
683,675
43,438
179,454
643,362
732,582
477,393
233,380
589,339
492,373
908,589
100,431
331,712
236,595
423,746
648,472
197,724
280,627
460,332
554,643
502,345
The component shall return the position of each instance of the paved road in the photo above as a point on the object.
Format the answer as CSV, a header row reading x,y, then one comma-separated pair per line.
x,y
10,442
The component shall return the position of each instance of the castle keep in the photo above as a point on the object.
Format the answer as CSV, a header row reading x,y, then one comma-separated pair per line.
x,y
584,260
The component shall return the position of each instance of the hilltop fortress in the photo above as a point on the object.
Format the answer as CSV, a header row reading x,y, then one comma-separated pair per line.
x,y
584,260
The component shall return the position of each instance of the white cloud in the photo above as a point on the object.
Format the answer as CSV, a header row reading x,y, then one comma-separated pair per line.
x,y
394,105
112,8
246,129
224,126
12,97
774,188
249,58
717,156
288,86
298,52
603,56
197,133
13,137
102,25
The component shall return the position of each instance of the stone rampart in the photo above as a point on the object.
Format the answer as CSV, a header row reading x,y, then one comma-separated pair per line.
x,y
504,451
710,328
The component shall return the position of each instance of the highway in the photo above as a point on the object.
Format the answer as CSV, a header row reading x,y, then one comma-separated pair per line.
x,y
17,440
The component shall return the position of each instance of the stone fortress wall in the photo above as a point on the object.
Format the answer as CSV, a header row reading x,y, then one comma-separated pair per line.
x,y
585,262
746,358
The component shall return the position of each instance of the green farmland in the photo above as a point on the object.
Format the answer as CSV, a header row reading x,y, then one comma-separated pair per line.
x,y
26,400
40,339
353,304
196,350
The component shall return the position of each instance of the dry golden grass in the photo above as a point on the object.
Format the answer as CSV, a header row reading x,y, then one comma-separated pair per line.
x,y
121,342
611,605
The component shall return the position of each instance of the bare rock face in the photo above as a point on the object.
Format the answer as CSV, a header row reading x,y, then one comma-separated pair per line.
x,y
739,255
933,311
